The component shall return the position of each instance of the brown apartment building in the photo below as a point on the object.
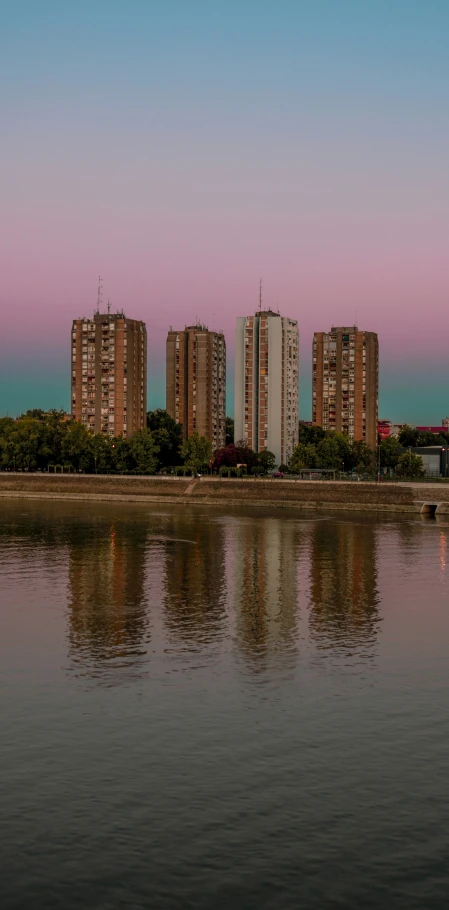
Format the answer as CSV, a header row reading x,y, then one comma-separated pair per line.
x,y
345,382
196,382
109,373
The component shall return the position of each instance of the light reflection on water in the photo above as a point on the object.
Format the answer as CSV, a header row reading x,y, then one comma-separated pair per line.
x,y
219,704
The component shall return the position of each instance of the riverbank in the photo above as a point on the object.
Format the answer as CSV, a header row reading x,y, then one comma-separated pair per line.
x,y
403,497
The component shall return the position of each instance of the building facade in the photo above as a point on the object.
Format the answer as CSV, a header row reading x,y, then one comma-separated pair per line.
x,y
345,382
196,382
267,383
109,374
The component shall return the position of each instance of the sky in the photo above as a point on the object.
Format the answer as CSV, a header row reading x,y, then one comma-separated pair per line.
x,y
185,149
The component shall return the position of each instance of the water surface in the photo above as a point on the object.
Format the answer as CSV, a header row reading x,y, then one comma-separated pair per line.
x,y
209,708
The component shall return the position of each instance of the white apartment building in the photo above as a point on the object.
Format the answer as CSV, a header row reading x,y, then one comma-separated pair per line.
x,y
267,383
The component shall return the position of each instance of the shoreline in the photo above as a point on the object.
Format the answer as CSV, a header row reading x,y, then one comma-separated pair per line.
x,y
253,493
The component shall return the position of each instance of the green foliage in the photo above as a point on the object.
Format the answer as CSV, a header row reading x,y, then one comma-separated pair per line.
x,y
328,454
167,435
362,458
39,440
122,456
431,439
411,437
21,445
410,465
6,424
229,430
408,436
101,449
310,435
76,447
196,451
390,452
144,452
333,451
266,460
304,456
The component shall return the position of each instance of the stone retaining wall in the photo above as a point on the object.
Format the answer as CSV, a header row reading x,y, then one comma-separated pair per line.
x,y
273,493
96,484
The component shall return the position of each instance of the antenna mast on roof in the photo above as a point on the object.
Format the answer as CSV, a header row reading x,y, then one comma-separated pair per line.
x,y
109,306
99,293
260,294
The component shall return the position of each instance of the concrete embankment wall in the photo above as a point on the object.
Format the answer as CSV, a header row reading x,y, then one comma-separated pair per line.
x,y
251,492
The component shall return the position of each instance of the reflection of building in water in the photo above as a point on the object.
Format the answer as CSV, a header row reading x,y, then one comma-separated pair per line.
x,y
265,584
195,582
343,585
443,551
106,607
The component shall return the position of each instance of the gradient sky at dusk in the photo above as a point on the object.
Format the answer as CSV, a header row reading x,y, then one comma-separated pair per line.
x,y
183,149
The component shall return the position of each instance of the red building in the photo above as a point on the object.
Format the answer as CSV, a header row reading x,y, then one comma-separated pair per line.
x,y
383,428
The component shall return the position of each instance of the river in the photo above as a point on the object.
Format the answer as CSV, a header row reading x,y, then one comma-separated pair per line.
x,y
213,708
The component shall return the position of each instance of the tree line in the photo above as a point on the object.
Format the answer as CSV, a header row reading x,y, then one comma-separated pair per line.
x,y
50,441
324,449
41,441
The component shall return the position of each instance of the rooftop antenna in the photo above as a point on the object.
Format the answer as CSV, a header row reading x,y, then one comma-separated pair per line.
x,y
260,294
99,293
109,306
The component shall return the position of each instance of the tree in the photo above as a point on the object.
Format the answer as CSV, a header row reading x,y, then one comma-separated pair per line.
x,y
267,460
408,437
233,454
6,426
35,413
54,428
303,456
101,457
328,454
167,435
144,452
390,452
346,455
229,430
122,457
196,451
76,447
21,445
430,439
363,458
410,465
310,435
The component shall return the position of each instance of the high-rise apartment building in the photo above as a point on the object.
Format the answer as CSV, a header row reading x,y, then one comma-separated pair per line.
x,y
266,383
345,382
196,382
109,374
